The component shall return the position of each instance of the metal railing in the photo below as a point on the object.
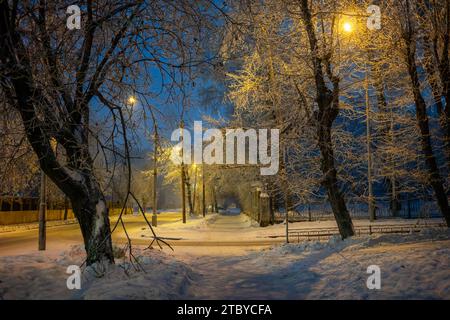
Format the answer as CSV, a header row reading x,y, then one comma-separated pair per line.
x,y
408,209
325,233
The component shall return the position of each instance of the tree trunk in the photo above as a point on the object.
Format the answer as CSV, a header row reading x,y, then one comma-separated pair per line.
x,y
330,182
430,53
444,70
328,103
93,216
422,120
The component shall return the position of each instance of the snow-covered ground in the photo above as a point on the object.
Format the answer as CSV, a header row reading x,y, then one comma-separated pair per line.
x,y
413,266
154,275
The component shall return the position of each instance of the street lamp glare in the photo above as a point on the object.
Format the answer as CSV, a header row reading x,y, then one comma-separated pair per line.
x,y
131,100
347,26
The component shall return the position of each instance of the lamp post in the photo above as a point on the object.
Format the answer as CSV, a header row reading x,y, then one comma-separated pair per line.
x,y
183,190
195,187
203,191
214,195
348,28
130,103
42,238
369,151
371,201
155,177
42,210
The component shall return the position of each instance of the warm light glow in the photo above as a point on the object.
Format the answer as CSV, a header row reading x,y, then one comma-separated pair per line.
x,y
131,100
53,144
347,26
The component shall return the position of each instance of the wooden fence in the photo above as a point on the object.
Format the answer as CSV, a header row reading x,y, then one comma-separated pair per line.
x,y
18,217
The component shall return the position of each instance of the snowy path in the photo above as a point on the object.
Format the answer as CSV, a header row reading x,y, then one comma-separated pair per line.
x,y
234,278
417,270
413,266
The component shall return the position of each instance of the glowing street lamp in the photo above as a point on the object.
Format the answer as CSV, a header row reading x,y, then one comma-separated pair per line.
x,y
347,27
132,100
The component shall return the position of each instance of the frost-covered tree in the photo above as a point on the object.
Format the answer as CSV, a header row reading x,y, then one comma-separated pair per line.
x,y
74,86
